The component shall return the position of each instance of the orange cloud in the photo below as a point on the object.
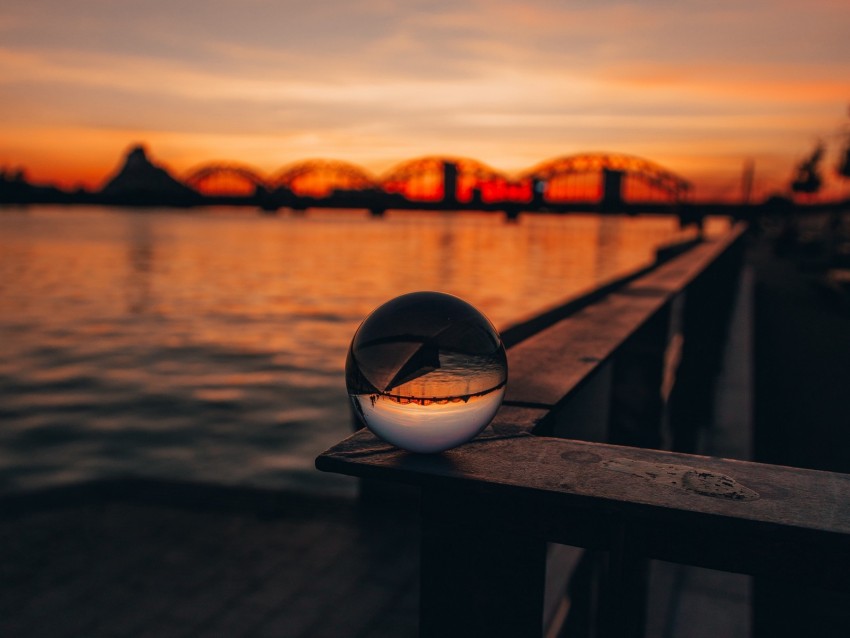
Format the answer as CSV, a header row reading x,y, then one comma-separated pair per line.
x,y
698,89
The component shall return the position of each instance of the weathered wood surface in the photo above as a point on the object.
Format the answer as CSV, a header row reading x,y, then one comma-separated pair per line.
x,y
543,318
546,368
678,273
781,522
730,515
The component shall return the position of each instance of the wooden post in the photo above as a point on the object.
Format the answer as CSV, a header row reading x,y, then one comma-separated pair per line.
x,y
622,612
489,506
706,316
476,580
636,416
637,408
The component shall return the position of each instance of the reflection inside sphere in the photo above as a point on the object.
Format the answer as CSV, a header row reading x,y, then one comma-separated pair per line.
x,y
426,371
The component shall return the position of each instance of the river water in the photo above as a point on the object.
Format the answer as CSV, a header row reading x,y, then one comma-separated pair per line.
x,y
210,345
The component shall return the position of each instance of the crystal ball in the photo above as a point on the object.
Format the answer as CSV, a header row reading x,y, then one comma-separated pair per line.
x,y
426,371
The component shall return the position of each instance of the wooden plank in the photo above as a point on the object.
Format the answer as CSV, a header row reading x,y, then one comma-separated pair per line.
x,y
546,368
514,420
676,274
636,407
716,513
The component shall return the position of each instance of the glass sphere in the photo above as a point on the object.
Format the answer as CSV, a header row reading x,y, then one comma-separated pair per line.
x,y
426,371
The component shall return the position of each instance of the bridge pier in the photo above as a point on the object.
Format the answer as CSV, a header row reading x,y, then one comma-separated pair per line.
x,y
512,214
450,175
612,188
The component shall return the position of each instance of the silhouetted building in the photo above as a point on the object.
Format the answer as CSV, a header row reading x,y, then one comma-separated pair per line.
x,y
15,188
140,181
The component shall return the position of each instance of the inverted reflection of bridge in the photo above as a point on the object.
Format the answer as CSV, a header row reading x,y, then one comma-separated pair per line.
x,y
605,180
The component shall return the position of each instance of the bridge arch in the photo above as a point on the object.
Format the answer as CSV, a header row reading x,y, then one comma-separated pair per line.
x,y
425,179
587,177
321,177
224,178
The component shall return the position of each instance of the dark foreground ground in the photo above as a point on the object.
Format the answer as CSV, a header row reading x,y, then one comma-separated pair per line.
x,y
802,407
153,559
144,558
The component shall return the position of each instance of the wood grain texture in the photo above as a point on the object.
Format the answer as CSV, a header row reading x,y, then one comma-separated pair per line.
x,y
546,368
760,519
717,513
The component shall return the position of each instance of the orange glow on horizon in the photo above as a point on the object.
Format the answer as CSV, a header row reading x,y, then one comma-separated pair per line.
x,y
73,158
225,184
699,90
717,179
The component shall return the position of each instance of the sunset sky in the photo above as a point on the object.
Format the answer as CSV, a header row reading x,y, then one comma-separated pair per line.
x,y
698,87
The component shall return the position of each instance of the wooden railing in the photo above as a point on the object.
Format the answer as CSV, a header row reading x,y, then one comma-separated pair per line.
x,y
630,374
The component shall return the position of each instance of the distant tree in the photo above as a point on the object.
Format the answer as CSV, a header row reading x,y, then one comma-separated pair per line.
x,y
844,160
843,167
808,179
844,163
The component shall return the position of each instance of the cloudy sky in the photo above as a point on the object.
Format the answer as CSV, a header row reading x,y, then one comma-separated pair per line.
x,y
698,87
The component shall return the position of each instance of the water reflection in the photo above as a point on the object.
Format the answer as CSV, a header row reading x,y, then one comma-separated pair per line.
x,y
211,345
140,258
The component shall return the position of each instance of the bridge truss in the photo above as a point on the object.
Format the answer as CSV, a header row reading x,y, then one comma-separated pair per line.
x,y
422,179
223,178
579,177
583,177
320,178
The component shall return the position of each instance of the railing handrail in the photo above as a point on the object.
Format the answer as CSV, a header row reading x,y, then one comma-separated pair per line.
x,y
752,512
578,344
544,318
501,496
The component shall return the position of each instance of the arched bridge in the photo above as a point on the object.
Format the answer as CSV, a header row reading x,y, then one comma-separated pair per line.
x,y
604,179
436,178
587,177
611,177
224,178
320,178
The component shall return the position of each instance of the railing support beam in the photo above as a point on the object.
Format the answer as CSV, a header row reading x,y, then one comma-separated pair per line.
x,y
476,580
624,593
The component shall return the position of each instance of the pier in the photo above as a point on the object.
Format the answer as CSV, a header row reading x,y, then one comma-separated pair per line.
x,y
641,478
596,468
